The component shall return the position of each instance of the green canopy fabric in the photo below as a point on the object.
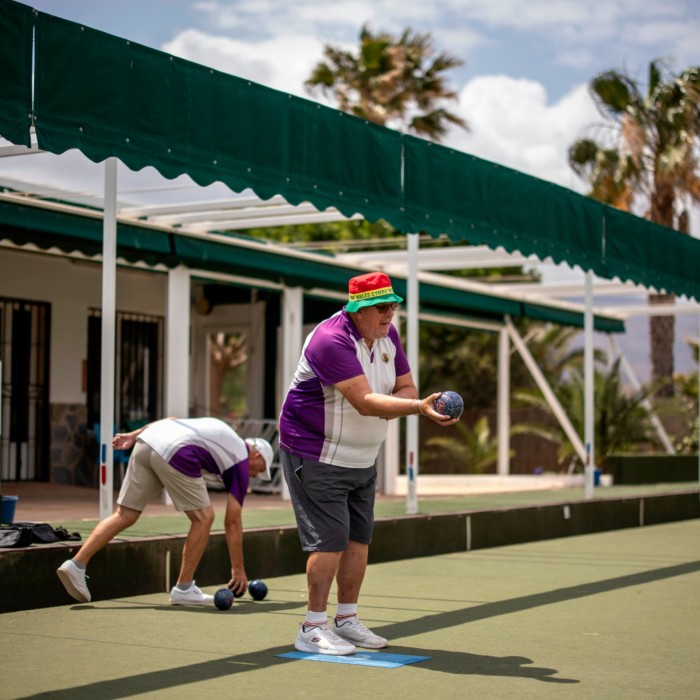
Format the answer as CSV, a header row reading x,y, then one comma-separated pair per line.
x,y
50,226
16,72
484,203
111,97
469,198
47,227
108,96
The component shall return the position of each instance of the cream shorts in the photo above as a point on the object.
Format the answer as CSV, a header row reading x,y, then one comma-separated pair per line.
x,y
148,473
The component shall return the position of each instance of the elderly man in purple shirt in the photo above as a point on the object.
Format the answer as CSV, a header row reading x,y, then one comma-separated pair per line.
x,y
352,378
172,453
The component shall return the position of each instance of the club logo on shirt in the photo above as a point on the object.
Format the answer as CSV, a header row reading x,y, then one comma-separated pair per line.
x,y
385,357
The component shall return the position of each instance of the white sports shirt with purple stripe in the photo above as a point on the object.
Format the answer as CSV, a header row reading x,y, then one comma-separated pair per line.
x,y
191,445
317,422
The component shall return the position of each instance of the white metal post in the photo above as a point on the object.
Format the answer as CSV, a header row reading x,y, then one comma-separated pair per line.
x,y
588,397
413,306
177,354
177,362
109,267
503,403
292,342
391,459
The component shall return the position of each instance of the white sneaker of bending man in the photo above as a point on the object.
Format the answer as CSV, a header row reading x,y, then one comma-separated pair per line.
x,y
73,580
191,596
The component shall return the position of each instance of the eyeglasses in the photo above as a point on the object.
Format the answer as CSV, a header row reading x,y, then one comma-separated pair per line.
x,y
383,308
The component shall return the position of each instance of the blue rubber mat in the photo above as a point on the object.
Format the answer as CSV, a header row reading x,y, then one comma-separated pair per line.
x,y
361,658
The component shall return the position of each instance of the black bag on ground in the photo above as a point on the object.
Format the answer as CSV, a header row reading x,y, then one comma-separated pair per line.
x,y
14,536
25,534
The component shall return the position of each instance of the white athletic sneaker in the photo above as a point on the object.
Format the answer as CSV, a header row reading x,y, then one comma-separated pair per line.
x,y
73,579
192,596
352,630
320,639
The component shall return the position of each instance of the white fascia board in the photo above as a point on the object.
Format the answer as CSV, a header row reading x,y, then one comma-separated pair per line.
x,y
655,310
447,258
270,221
605,288
208,205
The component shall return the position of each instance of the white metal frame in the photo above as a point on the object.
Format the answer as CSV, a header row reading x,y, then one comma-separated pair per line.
x,y
213,218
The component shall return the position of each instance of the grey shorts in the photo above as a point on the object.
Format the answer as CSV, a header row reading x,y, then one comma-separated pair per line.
x,y
332,504
148,473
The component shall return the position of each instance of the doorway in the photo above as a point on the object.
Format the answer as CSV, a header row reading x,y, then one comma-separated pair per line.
x,y
25,331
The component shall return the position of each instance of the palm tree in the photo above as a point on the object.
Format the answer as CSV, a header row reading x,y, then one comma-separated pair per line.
x,y
552,347
651,157
394,82
621,420
687,391
475,448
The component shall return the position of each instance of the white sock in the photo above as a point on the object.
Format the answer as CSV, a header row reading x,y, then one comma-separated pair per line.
x,y
316,618
346,610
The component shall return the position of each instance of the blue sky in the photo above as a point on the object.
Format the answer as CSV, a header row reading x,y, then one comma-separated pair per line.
x,y
522,88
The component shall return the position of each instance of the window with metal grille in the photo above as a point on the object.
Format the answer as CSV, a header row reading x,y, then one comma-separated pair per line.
x,y
25,329
138,368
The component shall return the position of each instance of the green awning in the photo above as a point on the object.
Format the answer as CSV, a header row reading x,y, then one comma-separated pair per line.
x,y
471,199
48,226
15,72
108,96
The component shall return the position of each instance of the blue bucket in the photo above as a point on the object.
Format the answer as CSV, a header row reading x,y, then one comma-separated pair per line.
x,y
8,509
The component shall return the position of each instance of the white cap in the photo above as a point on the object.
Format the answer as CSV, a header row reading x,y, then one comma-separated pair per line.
x,y
265,450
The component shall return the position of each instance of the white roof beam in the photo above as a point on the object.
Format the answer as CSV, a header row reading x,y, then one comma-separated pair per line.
x,y
234,214
210,205
654,310
447,258
8,150
11,151
606,288
269,221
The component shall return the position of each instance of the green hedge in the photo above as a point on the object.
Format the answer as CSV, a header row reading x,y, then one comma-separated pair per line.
x,y
652,469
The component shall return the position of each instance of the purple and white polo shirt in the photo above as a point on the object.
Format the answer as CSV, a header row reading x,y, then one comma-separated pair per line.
x,y
317,422
191,445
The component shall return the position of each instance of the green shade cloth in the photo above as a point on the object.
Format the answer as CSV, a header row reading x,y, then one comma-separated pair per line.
x,y
642,251
484,203
471,199
75,231
15,72
111,97
107,96
47,228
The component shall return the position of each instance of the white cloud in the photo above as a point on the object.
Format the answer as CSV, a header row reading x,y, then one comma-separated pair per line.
x,y
513,124
283,63
266,18
575,34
